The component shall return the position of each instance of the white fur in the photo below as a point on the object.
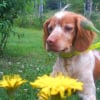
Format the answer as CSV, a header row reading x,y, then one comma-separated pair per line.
x,y
97,54
58,28
55,31
59,14
76,67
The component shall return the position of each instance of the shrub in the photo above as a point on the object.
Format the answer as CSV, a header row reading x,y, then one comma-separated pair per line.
x,y
29,21
9,9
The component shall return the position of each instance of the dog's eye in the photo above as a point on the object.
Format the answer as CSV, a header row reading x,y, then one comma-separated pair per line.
x,y
50,28
67,28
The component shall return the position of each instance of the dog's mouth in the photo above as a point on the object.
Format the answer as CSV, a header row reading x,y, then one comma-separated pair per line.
x,y
64,50
55,49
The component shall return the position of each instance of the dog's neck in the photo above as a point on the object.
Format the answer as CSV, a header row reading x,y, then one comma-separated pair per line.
x,y
69,54
75,53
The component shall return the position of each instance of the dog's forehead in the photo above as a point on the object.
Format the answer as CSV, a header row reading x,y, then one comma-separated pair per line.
x,y
65,16
59,15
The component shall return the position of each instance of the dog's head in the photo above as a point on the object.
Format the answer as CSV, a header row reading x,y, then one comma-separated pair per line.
x,y
63,32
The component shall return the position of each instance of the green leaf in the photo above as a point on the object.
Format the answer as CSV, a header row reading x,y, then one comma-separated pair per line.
x,y
87,25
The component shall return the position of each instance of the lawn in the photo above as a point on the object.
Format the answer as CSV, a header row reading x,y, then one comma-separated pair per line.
x,y
25,55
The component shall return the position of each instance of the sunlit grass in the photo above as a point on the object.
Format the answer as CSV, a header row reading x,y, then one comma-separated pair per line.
x,y
25,56
25,43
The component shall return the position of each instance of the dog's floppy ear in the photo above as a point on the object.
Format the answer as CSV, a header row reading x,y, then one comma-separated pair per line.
x,y
83,37
46,32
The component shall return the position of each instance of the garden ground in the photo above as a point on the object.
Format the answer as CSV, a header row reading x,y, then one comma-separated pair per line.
x,y
25,55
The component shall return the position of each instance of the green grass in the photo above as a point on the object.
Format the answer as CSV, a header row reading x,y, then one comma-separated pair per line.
x,y
29,40
26,56
27,52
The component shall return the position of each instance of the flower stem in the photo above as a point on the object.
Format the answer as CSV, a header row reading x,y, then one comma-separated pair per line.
x,y
57,97
11,95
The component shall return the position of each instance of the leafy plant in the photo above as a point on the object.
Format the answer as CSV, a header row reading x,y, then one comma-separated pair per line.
x,y
9,10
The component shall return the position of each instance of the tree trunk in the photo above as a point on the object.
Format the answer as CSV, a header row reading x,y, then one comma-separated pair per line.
x,y
36,8
41,8
60,4
88,8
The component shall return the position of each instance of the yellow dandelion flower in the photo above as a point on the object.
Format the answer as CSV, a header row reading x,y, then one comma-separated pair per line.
x,y
11,82
53,86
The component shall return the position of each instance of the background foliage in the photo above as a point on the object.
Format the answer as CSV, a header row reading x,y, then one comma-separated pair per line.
x,y
9,10
21,35
31,13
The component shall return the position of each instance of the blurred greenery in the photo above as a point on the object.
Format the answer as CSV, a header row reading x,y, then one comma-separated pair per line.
x,y
9,10
24,53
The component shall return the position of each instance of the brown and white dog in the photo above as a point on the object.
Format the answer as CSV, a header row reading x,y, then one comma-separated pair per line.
x,y
63,33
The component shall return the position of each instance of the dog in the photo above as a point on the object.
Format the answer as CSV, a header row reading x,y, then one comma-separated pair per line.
x,y
64,34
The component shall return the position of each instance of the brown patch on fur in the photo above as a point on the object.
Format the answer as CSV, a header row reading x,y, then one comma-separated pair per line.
x,y
84,37
97,69
45,28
